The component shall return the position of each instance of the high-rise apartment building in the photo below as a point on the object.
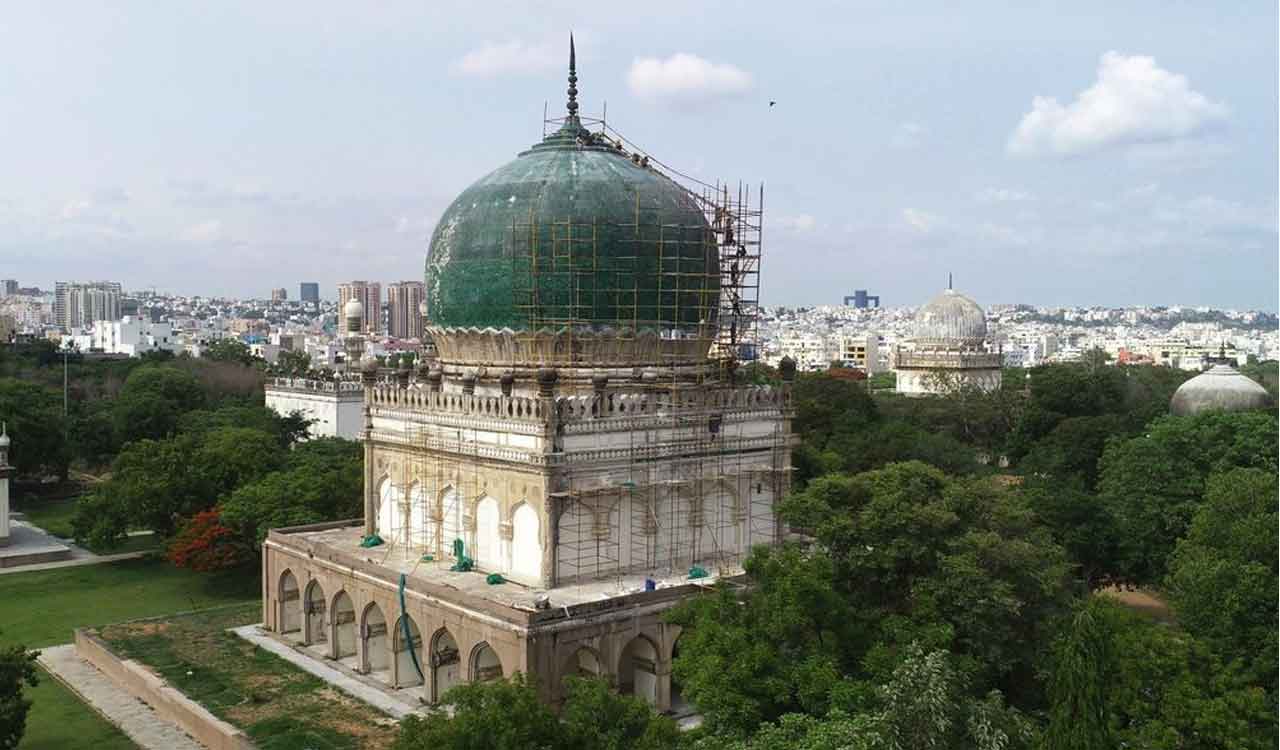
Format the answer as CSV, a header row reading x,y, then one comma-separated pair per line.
x,y
80,304
309,291
8,287
279,295
370,296
404,319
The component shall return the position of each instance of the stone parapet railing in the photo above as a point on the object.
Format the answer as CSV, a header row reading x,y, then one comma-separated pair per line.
x,y
515,408
344,387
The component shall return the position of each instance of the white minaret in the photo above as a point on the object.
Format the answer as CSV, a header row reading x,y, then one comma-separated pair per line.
x,y
354,313
5,471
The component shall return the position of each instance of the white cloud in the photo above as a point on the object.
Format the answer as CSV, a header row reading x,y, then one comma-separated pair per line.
x,y
797,223
205,231
1133,101
1002,195
507,58
919,220
908,135
686,78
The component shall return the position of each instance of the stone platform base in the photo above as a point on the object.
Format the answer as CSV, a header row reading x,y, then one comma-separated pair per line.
x,y
29,545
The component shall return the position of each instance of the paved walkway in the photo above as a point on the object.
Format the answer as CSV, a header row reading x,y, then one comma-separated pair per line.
x,y
352,685
91,559
134,717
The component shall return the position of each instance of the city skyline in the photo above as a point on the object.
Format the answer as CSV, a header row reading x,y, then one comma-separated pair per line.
x,y
993,156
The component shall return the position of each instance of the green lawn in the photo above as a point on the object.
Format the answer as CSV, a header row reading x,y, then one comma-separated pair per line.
x,y
54,516
42,607
58,720
278,705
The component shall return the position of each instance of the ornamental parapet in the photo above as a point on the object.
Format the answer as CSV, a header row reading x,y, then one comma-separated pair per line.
x,y
949,360
669,403
515,408
309,385
569,346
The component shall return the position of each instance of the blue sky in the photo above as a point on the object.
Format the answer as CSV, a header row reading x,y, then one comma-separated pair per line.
x,y
1048,153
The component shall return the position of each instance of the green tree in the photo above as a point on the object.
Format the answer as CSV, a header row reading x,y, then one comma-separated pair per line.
x,y
1152,484
17,669
496,715
33,415
287,429
151,402
1167,691
596,718
1070,452
1222,576
227,350
322,480
292,363
1081,524
1078,683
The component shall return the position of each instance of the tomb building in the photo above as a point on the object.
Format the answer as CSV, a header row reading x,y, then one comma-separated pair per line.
x,y
947,349
577,454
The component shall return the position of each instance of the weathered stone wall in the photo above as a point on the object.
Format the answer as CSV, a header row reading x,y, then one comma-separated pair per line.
x,y
168,702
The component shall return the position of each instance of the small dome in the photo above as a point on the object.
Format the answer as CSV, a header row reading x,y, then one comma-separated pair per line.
x,y
950,319
353,309
4,441
1220,388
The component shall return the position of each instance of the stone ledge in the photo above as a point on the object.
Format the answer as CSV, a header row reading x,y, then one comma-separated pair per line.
x,y
167,701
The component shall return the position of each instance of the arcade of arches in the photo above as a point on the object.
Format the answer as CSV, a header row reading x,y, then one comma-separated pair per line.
x,y
434,649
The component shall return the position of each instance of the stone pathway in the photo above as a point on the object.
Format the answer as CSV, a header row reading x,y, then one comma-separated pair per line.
x,y
134,717
92,559
350,684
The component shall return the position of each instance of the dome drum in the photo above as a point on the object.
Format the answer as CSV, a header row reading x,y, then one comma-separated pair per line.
x,y
951,320
574,347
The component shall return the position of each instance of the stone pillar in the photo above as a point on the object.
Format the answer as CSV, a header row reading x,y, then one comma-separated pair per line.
x,y
547,378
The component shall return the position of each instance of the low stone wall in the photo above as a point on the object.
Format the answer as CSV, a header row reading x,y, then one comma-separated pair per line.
x,y
167,701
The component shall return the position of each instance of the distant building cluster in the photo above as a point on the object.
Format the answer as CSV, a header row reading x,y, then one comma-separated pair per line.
x,y
875,340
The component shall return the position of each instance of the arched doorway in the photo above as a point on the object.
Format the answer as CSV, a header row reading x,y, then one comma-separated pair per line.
x,y
374,633
445,664
420,531
343,623
486,553
485,664
526,545
289,611
408,654
313,606
390,519
582,663
679,705
638,670
451,522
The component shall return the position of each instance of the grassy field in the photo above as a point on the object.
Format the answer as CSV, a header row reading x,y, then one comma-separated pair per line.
x,y
52,515
42,607
278,705
58,721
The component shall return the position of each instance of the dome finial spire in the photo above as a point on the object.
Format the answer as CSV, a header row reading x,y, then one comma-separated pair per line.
x,y
949,280
573,79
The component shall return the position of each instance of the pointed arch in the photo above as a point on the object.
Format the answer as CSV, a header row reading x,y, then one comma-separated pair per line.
x,y
485,664
342,621
289,606
314,606
488,543
445,663
526,543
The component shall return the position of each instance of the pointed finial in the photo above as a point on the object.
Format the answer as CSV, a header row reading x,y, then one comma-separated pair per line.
x,y
573,79
948,279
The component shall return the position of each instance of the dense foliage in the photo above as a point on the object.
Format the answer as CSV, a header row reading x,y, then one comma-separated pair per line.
x,y
508,715
17,670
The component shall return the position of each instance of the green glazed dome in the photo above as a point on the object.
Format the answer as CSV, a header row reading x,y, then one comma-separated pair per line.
x,y
573,232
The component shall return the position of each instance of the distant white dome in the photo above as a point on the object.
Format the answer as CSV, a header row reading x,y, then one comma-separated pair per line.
x,y
950,319
353,309
1220,388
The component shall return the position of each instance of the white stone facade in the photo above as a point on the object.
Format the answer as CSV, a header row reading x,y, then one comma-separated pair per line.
x,y
335,406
